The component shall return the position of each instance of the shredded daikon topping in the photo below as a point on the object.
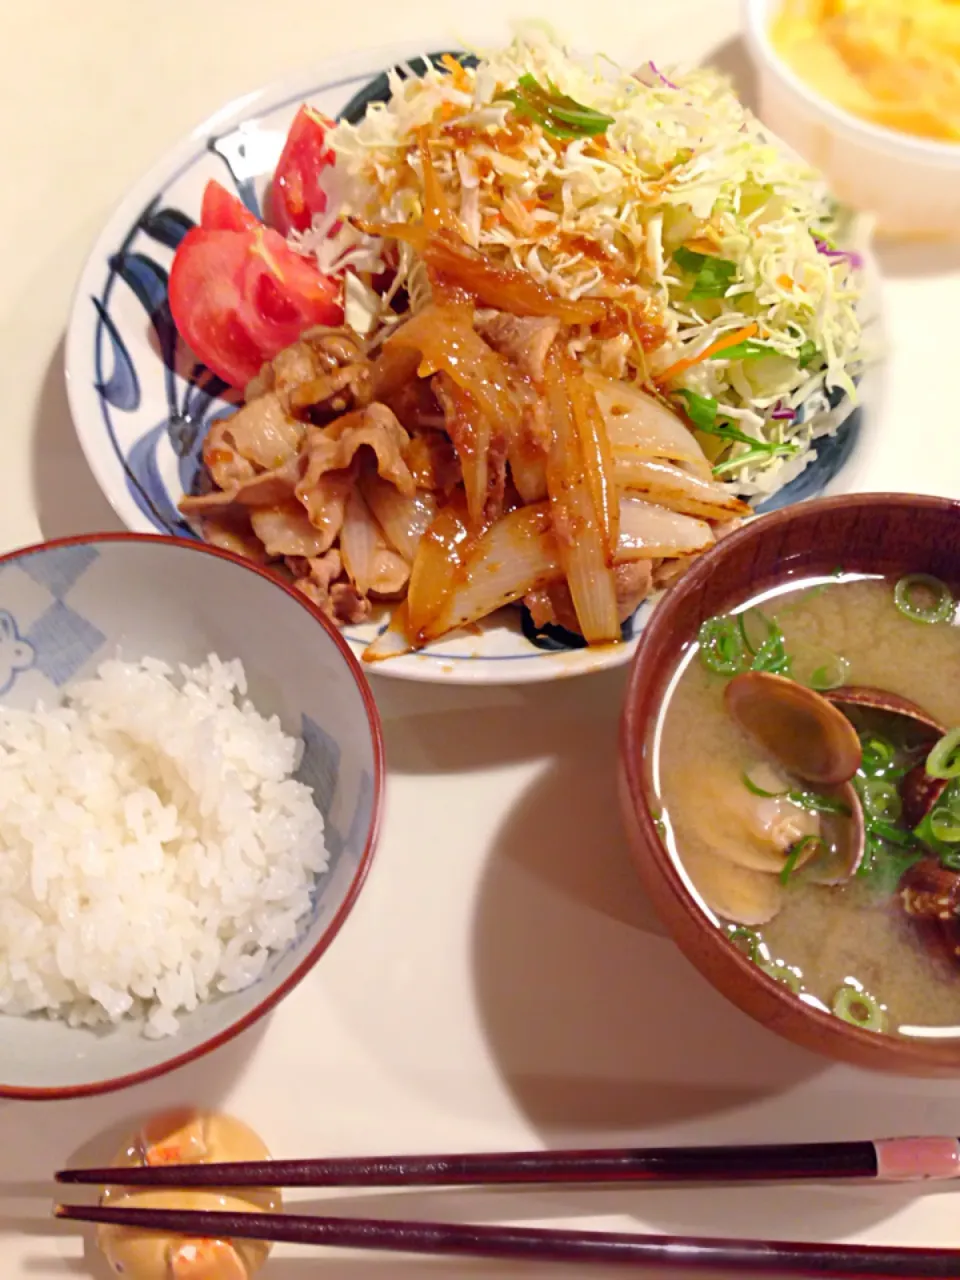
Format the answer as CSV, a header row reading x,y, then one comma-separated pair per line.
x,y
684,177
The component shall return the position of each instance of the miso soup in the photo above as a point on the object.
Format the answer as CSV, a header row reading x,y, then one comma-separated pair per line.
x,y
848,889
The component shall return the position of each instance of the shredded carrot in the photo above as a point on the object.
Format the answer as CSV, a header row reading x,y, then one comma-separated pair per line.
x,y
721,344
460,78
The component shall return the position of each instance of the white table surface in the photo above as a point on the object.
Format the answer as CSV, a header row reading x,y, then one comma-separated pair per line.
x,y
502,981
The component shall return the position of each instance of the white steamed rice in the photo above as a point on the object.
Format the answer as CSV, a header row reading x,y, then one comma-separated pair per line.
x,y
155,847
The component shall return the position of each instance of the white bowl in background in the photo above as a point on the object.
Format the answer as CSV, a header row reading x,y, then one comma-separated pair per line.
x,y
911,184
67,606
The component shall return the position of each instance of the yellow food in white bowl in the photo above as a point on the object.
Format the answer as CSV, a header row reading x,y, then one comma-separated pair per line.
x,y
894,63
869,92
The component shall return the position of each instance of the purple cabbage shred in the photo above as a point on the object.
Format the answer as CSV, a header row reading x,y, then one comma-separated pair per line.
x,y
846,255
661,77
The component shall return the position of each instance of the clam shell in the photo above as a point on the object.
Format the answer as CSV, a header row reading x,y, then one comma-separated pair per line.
x,y
799,728
929,893
864,695
850,838
920,793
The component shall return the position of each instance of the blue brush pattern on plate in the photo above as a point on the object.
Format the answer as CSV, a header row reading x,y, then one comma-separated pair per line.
x,y
205,397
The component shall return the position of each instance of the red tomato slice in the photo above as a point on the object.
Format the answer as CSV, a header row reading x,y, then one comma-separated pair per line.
x,y
222,211
239,297
296,192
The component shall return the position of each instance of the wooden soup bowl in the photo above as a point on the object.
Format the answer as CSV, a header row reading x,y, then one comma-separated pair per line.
x,y
890,534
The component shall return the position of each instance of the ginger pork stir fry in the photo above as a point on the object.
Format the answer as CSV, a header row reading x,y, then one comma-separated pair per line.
x,y
598,311
472,464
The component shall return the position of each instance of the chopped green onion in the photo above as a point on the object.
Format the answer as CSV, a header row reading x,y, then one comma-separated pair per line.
x,y
749,939
772,657
951,798
808,800
807,354
831,675
769,653
752,787
815,803
748,350
937,829
881,800
770,628
859,1009
712,276
944,760
944,826
727,648
794,856
555,112
877,753
940,609
721,646
782,973
886,831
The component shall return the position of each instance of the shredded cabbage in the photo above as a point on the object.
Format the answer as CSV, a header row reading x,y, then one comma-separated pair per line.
x,y
683,167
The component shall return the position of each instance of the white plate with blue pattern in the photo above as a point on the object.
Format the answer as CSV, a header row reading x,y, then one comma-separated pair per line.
x,y
141,404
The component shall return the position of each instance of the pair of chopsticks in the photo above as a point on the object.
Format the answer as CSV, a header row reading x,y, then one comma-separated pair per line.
x,y
893,1159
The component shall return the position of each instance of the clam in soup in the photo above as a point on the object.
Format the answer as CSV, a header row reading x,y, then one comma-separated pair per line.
x,y
807,776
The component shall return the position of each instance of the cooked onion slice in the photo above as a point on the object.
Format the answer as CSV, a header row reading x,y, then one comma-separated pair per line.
x,y
516,555
403,520
369,562
470,430
447,340
528,467
648,531
672,487
637,424
598,460
437,566
393,640
577,523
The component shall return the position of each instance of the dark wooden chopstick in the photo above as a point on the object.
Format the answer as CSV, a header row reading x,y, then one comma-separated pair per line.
x,y
540,1244
904,1159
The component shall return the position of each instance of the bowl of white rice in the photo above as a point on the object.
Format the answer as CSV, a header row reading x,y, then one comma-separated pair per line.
x,y
191,770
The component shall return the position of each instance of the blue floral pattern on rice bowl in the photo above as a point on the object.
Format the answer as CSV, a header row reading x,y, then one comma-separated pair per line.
x,y
65,609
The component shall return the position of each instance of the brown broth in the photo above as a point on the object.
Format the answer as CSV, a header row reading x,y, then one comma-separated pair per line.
x,y
828,936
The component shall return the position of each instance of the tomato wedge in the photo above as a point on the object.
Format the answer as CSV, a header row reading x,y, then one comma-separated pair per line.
x,y
222,211
297,192
239,297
